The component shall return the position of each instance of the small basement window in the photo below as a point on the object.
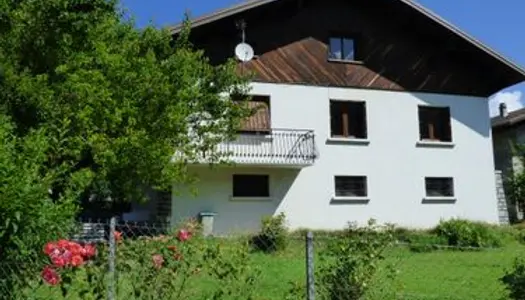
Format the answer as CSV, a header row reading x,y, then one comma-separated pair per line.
x,y
348,119
434,124
251,186
350,186
439,186
341,48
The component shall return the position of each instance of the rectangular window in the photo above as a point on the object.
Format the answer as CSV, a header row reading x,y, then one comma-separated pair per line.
x,y
350,186
348,119
251,186
342,48
439,186
434,124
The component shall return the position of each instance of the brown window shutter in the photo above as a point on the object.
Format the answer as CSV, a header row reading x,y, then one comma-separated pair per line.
x,y
260,120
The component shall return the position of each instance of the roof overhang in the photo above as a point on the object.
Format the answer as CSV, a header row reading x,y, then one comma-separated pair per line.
x,y
517,71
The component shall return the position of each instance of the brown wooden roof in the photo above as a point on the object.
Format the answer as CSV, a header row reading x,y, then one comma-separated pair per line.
x,y
407,47
514,118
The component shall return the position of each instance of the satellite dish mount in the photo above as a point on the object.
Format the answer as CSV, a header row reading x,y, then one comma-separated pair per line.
x,y
243,51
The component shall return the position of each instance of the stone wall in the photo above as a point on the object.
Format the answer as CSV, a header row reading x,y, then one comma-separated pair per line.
x,y
503,206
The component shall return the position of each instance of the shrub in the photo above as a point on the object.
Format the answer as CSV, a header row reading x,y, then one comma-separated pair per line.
x,y
464,233
350,263
426,242
514,280
273,236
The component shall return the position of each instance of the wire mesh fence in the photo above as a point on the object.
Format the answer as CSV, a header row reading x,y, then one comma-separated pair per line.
x,y
125,260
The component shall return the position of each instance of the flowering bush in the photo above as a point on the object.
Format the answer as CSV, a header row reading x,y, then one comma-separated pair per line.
x,y
183,265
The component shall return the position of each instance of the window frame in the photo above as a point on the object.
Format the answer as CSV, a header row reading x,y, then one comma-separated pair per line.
x,y
435,124
347,123
265,195
341,39
363,194
449,194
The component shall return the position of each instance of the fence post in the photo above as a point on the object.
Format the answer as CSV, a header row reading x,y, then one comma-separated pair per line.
x,y
112,257
310,286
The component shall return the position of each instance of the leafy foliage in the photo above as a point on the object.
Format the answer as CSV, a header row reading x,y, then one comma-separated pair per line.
x,y
273,236
349,264
515,280
515,184
113,100
464,233
28,216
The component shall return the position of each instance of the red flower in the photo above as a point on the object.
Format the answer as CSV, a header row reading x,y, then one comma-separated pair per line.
x,y
183,235
89,251
77,260
59,261
50,248
50,275
118,235
74,248
63,244
158,261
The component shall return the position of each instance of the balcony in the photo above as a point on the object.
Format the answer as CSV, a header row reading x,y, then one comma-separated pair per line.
x,y
272,147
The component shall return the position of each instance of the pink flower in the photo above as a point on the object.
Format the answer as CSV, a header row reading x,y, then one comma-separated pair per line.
x,y
158,261
118,235
74,248
63,244
50,275
50,248
77,260
183,235
59,261
89,251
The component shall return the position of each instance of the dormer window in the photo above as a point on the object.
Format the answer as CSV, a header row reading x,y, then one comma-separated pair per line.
x,y
342,48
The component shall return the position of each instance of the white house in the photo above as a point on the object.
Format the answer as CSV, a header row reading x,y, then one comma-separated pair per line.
x,y
370,109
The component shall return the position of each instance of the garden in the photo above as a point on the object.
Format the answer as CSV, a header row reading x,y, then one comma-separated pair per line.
x,y
456,260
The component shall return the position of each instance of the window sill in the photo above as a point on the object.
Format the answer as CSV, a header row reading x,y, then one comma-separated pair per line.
x,y
344,61
435,144
350,200
439,200
251,199
349,141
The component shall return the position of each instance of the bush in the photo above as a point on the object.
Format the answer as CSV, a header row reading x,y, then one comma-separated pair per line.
x,y
273,236
514,280
464,233
350,263
426,242
150,268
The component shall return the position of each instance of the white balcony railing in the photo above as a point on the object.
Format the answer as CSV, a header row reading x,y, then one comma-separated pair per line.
x,y
272,147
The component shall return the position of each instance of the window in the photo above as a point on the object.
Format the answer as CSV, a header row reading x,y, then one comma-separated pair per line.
x,y
439,187
342,49
251,186
434,124
350,186
348,119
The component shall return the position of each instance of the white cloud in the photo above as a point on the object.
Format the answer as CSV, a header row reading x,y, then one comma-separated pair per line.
x,y
513,99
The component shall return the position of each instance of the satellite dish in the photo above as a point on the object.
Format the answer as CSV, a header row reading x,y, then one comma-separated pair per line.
x,y
244,52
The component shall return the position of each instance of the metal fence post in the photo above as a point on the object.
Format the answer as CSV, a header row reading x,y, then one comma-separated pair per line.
x,y
111,259
310,286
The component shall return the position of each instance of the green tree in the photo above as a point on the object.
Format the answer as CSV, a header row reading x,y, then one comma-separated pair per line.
x,y
112,99
515,183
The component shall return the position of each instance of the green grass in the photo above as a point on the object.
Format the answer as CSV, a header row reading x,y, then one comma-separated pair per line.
x,y
440,275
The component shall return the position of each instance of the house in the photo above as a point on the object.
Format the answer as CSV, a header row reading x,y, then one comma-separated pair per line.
x,y
369,109
508,128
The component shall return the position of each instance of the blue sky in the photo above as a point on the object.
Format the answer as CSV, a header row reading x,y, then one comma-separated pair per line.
x,y
498,24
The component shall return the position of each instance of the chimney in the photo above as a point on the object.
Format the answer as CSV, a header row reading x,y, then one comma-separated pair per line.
x,y
503,110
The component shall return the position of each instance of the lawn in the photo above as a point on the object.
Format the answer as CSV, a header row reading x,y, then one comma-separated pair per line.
x,y
433,275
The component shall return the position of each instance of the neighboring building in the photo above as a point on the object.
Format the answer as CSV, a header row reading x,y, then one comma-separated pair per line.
x,y
371,109
507,129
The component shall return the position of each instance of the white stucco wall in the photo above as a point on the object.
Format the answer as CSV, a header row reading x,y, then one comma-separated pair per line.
x,y
394,165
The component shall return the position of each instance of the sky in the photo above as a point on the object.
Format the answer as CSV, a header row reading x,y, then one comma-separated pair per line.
x,y
497,24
